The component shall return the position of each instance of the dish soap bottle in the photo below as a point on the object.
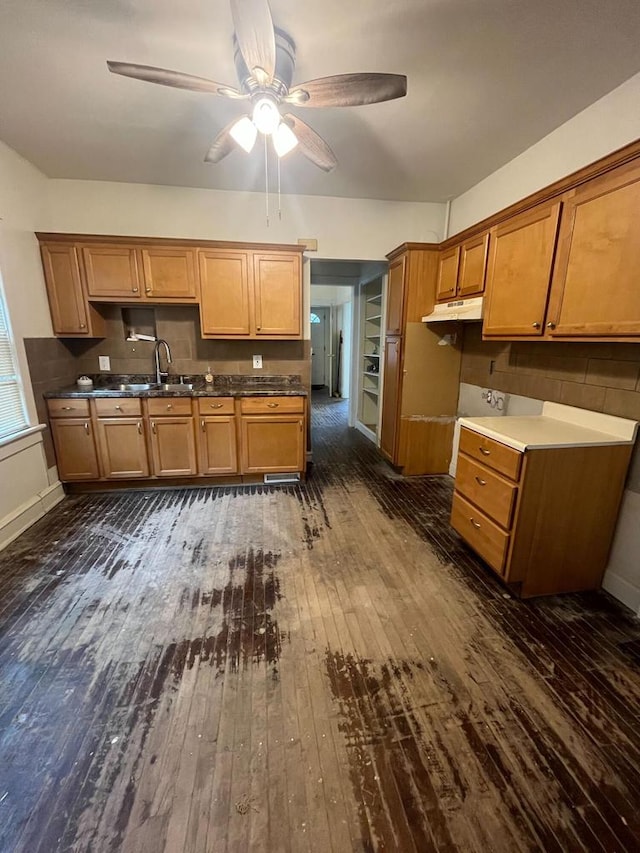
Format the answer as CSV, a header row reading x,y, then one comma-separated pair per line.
x,y
208,377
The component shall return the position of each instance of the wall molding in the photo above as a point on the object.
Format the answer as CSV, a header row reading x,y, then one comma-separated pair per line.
x,y
12,525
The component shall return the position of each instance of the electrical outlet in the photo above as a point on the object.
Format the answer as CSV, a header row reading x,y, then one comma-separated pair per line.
x,y
257,361
104,362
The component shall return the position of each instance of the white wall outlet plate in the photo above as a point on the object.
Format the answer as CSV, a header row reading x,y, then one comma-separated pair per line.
x,y
104,362
257,361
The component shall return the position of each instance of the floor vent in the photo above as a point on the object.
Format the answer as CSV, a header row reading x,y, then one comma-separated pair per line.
x,y
282,478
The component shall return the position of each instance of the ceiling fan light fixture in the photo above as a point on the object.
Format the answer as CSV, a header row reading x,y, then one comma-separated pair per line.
x,y
284,139
244,132
266,116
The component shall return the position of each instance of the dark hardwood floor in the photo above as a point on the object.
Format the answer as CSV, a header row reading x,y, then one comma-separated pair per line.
x,y
319,667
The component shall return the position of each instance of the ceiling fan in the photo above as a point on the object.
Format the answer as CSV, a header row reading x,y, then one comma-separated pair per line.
x,y
265,60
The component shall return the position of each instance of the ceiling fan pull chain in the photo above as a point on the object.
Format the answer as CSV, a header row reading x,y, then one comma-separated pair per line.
x,y
279,198
266,179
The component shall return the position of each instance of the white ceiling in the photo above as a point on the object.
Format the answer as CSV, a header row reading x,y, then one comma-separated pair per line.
x,y
487,79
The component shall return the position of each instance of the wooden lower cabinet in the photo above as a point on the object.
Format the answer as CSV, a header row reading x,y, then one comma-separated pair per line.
x,y
543,519
76,452
217,445
392,366
123,448
173,446
272,444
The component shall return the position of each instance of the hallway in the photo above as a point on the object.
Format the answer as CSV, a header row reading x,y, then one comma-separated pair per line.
x,y
315,667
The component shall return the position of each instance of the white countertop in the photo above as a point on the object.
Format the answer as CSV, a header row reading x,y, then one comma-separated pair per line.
x,y
557,426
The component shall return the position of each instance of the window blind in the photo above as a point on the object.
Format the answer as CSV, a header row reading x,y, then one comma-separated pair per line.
x,y
12,410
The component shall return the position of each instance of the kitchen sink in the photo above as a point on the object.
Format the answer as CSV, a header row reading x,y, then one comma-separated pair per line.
x,y
175,386
135,386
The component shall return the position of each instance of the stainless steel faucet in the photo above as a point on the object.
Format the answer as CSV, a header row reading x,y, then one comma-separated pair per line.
x,y
156,355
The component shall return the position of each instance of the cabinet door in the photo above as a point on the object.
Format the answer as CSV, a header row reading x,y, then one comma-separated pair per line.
x,y
519,273
64,289
447,274
596,290
224,294
111,272
273,444
217,450
473,266
391,397
76,455
123,450
277,288
173,447
169,273
395,296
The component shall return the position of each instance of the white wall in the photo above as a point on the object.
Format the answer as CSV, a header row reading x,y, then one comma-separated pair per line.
x,y
347,229
608,124
24,480
329,294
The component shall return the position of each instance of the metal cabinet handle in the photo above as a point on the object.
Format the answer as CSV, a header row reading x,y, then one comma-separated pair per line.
x,y
480,481
476,524
551,325
139,427
134,289
216,405
147,290
153,427
202,424
258,328
169,405
68,408
273,405
119,408
484,451
536,325
86,427
83,325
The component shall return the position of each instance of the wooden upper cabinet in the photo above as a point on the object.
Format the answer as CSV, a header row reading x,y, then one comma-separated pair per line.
x,y
224,294
111,272
447,273
70,313
277,288
396,295
596,288
473,266
169,273
519,272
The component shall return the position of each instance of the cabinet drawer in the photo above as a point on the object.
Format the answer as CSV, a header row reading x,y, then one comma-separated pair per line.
x,y
488,491
484,535
498,456
271,405
216,406
68,408
159,406
118,407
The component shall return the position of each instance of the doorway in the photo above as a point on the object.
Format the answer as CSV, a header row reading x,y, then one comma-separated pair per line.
x,y
320,349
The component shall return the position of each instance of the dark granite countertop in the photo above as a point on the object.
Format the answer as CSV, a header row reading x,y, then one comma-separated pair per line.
x,y
222,386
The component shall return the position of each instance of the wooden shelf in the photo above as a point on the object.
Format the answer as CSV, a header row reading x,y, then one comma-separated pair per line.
x,y
370,373
370,305
372,391
375,300
371,355
374,317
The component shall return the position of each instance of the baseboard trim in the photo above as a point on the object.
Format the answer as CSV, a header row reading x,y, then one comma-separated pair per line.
x,y
12,525
620,588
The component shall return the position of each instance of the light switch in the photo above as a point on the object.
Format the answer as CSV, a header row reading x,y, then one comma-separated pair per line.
x,y
257,361
104,362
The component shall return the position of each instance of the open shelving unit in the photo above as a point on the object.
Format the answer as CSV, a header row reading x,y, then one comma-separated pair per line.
x,y
372,332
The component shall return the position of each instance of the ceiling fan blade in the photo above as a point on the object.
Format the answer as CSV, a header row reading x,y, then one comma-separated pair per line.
x,y
348,90
256,37
177,79
222,145
311,144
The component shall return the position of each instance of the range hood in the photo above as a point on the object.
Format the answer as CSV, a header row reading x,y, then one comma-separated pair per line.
x,y
460,309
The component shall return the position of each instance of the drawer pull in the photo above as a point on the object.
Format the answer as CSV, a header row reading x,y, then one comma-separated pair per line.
x,y
484,451
273,405
118,408
86,427
139,428
68,408
476,524
216,405
169,405
480,481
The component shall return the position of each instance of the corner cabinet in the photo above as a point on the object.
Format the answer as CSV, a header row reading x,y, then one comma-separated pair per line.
x,y
250,294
